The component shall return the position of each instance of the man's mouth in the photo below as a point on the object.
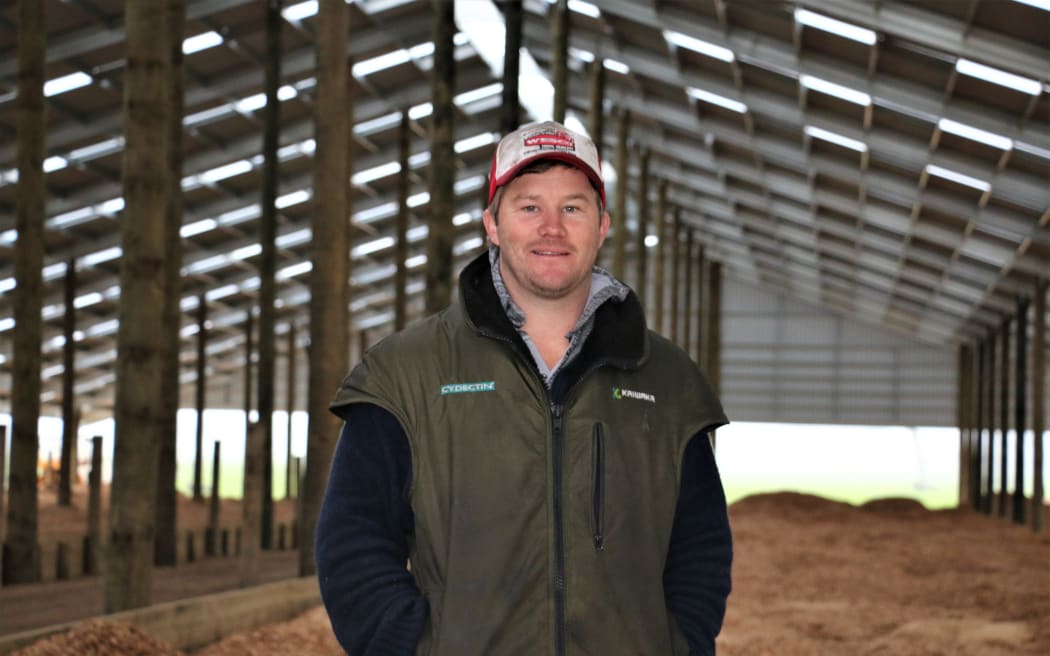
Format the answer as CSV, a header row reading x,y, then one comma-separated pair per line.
x,y
550,252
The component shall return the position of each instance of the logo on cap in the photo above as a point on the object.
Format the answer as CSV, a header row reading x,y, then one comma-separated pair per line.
x,y
547,140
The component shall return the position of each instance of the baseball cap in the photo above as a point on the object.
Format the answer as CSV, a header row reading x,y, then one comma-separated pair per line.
x,y
546,140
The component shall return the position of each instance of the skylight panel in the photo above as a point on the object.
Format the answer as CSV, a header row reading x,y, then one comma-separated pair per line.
x,y
583,55
420,111
206,115
98,257
55,163
382,62
97,149
294,238
827,24
225,171
379,123
616,66
244,252
1000,77
955,176
715,99
837,90
251,103
292,198
696,45
835,138
66,83
477,141
375,173
91,298
294,270
241,214
585,8
975,134
372,246
1038,4
197,227
201,41
480,93
300,10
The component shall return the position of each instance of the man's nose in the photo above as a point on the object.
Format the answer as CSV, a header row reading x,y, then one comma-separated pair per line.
x,y
552,223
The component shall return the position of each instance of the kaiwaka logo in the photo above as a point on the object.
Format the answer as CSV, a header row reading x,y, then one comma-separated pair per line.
x,y
620,393
466,388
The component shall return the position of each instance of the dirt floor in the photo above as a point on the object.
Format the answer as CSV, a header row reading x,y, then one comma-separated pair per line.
x,y
812,577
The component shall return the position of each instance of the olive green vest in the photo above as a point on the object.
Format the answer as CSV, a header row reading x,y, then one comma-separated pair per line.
x,y
493,492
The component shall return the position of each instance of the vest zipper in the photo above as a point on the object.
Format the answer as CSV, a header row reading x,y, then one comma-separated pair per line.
x,y
598,487
559,542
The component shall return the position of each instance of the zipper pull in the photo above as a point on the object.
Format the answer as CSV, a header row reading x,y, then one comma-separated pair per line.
x,y
556,411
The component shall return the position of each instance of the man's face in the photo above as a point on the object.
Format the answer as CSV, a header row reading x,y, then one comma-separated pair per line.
x,y
549,233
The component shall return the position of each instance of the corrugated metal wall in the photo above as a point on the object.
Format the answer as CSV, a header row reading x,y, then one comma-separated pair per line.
x,y
787,361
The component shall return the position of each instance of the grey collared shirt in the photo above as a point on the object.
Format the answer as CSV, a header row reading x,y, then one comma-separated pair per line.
x,y
604,287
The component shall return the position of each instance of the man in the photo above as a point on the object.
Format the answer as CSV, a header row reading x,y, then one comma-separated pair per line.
x,y
538,456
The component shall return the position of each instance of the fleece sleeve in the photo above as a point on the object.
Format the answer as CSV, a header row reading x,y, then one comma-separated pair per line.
x,y
697,575
362,538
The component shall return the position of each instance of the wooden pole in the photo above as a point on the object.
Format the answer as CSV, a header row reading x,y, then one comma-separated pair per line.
x,y
94,525
988,452
596,92
714,327
329,279
978,451
687,305
642,260
211,547
560,57
676,272
21,553
619,217
661,256
1038,402
964,418
3,484
510,106
1020,408
249,350
703,308
251,508
165,542
292,378
442,161
69,434
201,391
268,261
1004,423
401,227
140,341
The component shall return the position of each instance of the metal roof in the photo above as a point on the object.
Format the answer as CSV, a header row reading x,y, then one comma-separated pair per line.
x,y
887,161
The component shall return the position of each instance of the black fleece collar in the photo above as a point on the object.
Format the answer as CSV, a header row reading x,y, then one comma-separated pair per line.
x,y
619,338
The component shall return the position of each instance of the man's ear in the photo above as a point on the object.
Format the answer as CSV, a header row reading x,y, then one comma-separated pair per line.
x,y
490,226
603,228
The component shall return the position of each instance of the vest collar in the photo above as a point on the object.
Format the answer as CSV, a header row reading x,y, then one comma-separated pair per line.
x,y
619,337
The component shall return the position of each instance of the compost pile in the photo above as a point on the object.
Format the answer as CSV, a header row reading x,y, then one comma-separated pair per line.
x,y
811,577
815,577
100,638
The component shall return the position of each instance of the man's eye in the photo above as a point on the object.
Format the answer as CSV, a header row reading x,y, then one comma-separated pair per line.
x,y
529,208
571,209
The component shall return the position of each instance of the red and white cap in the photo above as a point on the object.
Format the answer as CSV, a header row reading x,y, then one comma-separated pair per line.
x,y
546,140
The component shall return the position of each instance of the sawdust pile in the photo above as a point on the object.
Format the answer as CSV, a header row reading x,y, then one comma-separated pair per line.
x,y
812,577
